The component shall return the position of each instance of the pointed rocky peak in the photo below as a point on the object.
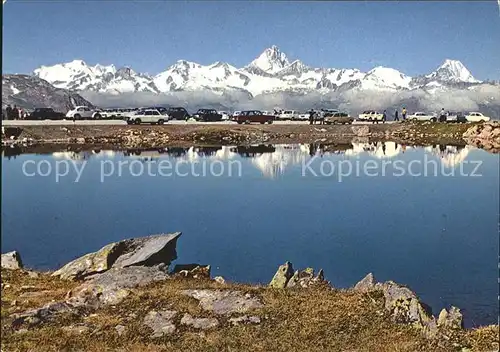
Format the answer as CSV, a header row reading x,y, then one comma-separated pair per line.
x,y
452,71
271,60
295,68
220,64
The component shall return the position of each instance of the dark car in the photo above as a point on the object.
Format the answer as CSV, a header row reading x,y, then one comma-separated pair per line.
x,y
207,115
45,114
178,113
254,116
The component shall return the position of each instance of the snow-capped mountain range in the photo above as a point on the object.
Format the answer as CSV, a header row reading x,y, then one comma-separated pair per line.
x,y
271,71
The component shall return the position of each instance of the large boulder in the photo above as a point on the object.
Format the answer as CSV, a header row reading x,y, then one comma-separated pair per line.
x,y
282,276
366,284
11,260
451,319
143,251
91,263
402,304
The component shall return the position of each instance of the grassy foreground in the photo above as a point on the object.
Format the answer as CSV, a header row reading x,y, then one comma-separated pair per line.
x,y
314,319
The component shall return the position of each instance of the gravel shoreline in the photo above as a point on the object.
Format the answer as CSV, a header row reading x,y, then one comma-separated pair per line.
x,y
123,137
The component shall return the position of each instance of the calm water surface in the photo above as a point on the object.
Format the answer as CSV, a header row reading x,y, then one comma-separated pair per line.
x,y
436,233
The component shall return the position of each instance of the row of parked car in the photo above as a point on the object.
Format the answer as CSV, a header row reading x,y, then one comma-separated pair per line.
x,y
372,115
160,115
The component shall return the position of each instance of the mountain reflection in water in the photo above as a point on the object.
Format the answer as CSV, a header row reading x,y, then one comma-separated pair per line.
x,y
271,160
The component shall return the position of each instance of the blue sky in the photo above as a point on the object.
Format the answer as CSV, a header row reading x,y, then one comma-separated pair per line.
x,y
413,37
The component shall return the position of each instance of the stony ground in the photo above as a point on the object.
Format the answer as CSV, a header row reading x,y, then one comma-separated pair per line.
x,y
162,317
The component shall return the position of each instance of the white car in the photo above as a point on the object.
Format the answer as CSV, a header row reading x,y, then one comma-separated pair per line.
x,y
422,116
476,117
225,115
83,112
370,115
152,116
303,116
288,115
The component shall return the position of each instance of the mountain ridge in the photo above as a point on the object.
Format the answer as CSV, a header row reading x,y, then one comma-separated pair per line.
x,y
271,71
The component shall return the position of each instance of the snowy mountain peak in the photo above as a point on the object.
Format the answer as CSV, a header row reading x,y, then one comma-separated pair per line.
x,y
452,71
271,60
385,78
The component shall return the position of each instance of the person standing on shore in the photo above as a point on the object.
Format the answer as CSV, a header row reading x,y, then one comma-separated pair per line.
x,y
404,113
396,115
15,113
8,112
384,116
311,117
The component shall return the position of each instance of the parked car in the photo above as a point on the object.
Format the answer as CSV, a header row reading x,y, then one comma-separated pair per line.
x,y
234,114
303,116
224,114
370,115
254,116
152,116
46,114
476,117
83,112
339,118
288,115
207,115
422,116
328,112
178,113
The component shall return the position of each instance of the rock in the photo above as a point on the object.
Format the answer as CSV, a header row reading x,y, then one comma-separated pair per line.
x,y
120,329
366,284
360,131
220,280
244,319
450,320
224,302
486,136
144,251
305,278
405,307
149,251
33,275
91,263
199,323
160,322
78,329
194,271
282,276
11,260
114,285
35,316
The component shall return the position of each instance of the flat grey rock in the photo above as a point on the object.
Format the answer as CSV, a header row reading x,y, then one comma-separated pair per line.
x,y
148,251
224,302
199,323
160,322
